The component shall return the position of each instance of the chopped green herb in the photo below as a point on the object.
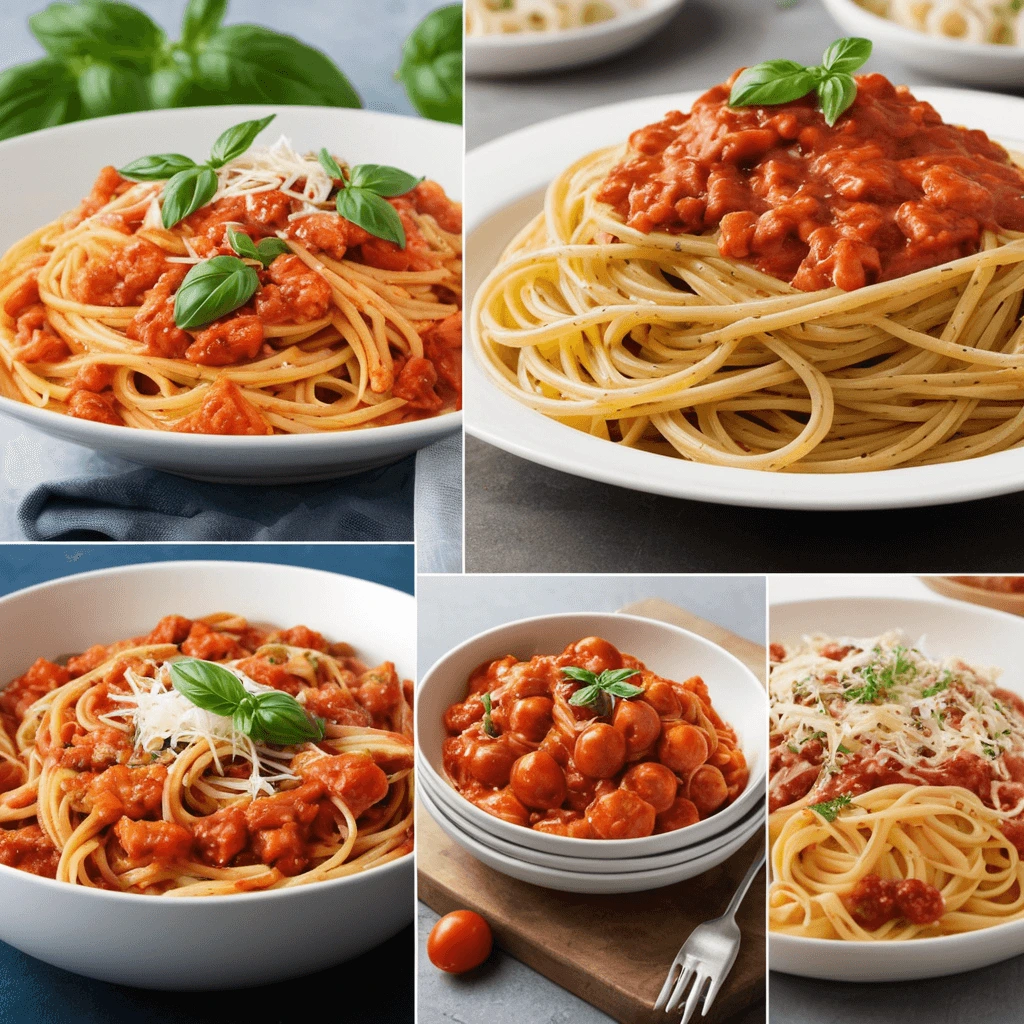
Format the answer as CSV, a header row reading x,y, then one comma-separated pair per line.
x,y
489,726
831,808
942,684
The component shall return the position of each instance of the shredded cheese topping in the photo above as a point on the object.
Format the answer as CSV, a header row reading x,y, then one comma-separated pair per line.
x,y
884,698
166,722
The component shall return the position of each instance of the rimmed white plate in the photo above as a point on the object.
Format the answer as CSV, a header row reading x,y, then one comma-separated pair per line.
x,y
42,182
524,53
506,179
982,637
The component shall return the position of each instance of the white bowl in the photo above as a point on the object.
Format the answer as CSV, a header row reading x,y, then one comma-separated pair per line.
x,y
982,637
594,884
588,865
30,162
214,941
969,63
525,53
668,650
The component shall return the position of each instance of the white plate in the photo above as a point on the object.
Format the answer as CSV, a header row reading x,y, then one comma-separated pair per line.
x,y
950,59
982,637
525,53
506,179
574,881
666,649
191,942
37,171
582,865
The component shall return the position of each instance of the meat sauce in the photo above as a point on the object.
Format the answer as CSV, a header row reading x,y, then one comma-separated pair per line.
x,y
124,790
656,762
889,190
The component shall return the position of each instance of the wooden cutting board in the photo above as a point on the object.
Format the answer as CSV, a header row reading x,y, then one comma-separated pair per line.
x,y
612,951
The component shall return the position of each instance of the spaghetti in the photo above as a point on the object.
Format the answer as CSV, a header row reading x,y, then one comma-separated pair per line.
x,y
110,777
748,287
499,17
346,330
896,793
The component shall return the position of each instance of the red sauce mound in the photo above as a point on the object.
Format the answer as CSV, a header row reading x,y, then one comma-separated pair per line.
x,y
889,190
874,901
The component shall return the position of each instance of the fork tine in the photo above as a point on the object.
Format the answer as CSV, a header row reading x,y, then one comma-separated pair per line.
x,y
691,1002
689,970
670,981
716,983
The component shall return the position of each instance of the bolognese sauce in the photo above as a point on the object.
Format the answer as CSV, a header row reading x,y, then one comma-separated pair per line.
x,y
616,768
888,190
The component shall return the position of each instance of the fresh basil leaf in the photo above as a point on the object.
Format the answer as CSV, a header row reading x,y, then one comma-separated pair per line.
x,y
212,289
624,690
616,675
431,68
371,213
186,192
201,19
835,94
581,675
270,248
774,81
256,65
115,33
329,164
242,244
171,86
105,89
585,696
242,719
385,181
236,140
209,686
37,95
161,167
846,55
283,721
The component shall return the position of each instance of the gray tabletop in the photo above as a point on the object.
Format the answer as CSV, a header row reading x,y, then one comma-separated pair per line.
x,y
452,609
522,517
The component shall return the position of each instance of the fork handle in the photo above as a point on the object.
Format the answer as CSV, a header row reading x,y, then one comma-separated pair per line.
x,y
744,886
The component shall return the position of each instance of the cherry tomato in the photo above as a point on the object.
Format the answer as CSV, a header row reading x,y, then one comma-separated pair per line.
x,y
537,780
683,747
600,751
652,782
639,724
621,815
459,942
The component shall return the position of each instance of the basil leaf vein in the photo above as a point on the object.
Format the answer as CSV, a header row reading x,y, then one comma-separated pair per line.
x,y
212,289
207,685
371,213
846,55
385,181
186,192
774,81
835,94
160,167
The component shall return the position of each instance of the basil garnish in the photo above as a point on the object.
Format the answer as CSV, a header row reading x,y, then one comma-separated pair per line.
x,y
266,251
329,164
489,727
273,717
361,198
212,289
782,81
831,808
594,693
191,185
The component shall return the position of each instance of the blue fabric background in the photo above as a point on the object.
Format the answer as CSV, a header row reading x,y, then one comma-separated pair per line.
x,y
32,992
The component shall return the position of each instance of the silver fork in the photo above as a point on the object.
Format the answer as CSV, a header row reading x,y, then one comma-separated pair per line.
x,y
707,955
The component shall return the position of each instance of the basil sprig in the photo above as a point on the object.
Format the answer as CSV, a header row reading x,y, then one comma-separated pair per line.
x,y
597,688
830,809
782,81
213,288
363,196
265,251
431,68
191,185
273,717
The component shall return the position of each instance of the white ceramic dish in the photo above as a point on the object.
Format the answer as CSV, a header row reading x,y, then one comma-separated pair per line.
x,y
593,884
979,635
200,943
668,650
585,865
506,181
29,162
950,59
526,53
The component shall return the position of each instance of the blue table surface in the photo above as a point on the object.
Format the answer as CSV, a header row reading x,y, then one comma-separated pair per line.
x,y
32,992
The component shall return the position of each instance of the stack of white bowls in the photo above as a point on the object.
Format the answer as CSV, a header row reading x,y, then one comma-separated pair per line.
x,y
594,865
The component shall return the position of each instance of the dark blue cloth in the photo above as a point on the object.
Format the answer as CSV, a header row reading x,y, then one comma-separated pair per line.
x,y
142,504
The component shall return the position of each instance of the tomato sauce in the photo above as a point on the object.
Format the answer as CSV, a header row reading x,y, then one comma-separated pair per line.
x,y
654,762
889,190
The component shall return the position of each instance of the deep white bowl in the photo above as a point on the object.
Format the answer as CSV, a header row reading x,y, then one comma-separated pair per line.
x,y
525,53
982,637
195,943
594,884
46,183
968,63
589,865
668,650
